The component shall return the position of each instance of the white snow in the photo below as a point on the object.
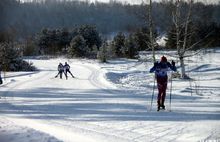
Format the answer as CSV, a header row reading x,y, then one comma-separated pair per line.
x,y
161,40
110,103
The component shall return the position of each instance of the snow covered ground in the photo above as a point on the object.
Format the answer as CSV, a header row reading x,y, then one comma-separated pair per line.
x,y
110,103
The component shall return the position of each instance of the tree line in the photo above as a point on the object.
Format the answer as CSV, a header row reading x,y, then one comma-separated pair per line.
x,y
86,41
25,19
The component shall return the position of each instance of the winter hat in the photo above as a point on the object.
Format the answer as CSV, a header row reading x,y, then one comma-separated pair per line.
x,y
163,59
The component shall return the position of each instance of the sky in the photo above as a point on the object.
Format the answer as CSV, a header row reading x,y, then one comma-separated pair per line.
x,y
140,1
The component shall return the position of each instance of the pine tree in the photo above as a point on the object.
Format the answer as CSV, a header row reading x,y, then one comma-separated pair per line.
x,y
10,59
77,47
118,43
42,39
130,49
102,53
91,35
142,39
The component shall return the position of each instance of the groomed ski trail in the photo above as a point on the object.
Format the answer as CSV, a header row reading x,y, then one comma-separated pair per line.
x,y
89,108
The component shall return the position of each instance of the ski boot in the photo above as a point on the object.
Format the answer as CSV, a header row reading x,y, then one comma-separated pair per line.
x,y
158,108
163,107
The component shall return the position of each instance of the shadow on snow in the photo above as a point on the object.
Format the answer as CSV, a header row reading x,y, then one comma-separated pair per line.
x,y
92,105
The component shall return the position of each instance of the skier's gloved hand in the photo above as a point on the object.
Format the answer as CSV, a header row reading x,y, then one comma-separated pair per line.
x,y
155,63
173,63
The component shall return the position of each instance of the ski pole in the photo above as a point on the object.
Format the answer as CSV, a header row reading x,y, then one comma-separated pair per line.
x,y
171,89
152,94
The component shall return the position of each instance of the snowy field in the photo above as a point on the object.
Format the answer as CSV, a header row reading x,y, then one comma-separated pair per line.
x,y
110,103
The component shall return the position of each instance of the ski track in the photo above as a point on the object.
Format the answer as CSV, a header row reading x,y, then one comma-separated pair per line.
x,y
77,128
95,130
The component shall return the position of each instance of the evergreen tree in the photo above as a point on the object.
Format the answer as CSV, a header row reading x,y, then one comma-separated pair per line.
x,y
8,56
206,35
42,39
30,48
91,36
213,31
130,49
111,50
53,41
65,39
77,47
141,37
102,53
192,37
171,39
118,43
10,59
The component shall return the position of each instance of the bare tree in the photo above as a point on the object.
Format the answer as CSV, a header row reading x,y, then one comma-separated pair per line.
x,y
184,34
180,25
152,42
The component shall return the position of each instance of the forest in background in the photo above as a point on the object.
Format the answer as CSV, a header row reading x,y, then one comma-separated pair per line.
x,y
98,30
26,19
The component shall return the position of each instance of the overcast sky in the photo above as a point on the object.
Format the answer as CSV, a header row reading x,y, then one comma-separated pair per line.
x,y
140,1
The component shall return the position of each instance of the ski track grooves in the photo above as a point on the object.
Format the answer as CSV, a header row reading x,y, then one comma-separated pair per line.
x,y
93,79
133,132
17,85
155,133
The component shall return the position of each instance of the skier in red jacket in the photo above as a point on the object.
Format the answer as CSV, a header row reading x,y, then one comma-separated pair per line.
x,y
160,69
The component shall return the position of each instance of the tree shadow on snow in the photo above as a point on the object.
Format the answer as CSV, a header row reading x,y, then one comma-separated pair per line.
x,y
92,105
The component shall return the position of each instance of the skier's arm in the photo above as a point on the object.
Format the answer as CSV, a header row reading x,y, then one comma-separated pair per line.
x,y
154,67
172,67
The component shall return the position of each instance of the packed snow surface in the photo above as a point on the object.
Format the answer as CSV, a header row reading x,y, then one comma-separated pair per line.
x,y
110,102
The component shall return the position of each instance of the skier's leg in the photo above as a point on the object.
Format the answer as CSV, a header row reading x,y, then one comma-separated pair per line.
x,y
65,73
1,82
57,74
158,101
163,99
61,74
164,94
70,73
159,87
159,97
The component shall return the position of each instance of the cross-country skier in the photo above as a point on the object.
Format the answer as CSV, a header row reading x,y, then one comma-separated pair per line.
x,y
67,70
160,69
60,69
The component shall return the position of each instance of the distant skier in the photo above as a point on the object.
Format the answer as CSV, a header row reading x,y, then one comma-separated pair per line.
x,y
60,69
67,70
1,81
160,70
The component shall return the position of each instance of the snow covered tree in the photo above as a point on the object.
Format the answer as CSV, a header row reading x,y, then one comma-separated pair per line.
x,y
10,59
65,38
118,43
77,47
182,27
171,42
152,41
141,37
130,49
30,48
42,39
213,40
91,36
102,53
